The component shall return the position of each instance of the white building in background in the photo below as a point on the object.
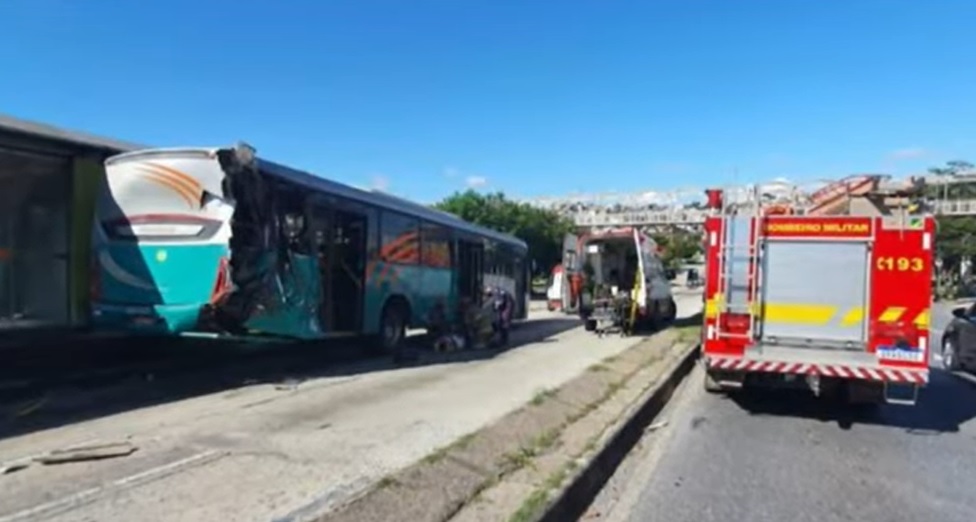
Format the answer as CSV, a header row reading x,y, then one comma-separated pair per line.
x,y
686,206
678,200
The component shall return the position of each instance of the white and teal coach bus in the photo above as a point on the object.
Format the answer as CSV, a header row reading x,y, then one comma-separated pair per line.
x,y
195,240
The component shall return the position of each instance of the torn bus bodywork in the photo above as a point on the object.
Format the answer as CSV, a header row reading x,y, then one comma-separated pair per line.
x,y
273,277
822,302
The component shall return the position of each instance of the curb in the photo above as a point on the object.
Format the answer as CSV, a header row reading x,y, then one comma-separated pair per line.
x,y
573,500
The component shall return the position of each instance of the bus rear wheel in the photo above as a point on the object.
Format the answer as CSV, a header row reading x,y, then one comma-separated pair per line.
x,y
393,330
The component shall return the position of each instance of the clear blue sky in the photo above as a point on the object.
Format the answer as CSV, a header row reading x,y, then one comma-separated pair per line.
x,y
530,97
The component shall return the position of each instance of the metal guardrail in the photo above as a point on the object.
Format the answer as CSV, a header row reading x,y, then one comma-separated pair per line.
x,y
637,218
690,217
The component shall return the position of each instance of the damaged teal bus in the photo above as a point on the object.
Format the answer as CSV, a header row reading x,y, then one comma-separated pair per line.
x,y
222,242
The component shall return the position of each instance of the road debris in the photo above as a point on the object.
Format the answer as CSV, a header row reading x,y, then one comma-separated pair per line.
x,y
14,466
87,452
656,426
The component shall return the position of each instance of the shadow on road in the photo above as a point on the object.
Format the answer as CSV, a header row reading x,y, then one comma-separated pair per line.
x,y
690,321
87,382
943,406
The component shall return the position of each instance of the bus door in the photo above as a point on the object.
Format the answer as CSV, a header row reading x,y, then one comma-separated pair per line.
x,y
321,228
341,231
347,266
471,269
522,281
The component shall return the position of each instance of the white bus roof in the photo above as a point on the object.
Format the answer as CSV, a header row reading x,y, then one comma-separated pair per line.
x,y
375,198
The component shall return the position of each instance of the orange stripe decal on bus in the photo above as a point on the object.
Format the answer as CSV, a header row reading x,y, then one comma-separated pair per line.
x,y
177,182
397,243
190,186
166,182
408,254
172,185
184,177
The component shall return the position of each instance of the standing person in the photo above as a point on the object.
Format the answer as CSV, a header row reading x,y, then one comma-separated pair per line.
x,y
503,305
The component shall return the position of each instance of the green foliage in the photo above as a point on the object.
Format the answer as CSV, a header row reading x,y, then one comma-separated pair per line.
x,y
679,247
543,230
955,239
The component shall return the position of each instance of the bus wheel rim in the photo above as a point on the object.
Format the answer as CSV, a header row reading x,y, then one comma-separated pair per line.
x,y
392,329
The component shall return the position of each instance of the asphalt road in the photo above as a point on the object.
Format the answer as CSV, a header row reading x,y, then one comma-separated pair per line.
x,y
279,442
788,456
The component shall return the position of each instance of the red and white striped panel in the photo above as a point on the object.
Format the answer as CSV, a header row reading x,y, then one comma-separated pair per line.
x,y
824,370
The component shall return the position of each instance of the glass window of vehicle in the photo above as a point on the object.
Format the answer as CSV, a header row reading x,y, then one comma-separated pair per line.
x,y
399,236
435,243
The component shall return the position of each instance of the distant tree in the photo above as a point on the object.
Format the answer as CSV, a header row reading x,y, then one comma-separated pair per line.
x,y
955,240
542,229
947,190
679,247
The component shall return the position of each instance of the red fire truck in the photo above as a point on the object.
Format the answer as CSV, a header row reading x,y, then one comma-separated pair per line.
x,y
838,303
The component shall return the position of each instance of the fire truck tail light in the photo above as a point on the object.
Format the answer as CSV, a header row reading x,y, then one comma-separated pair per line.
x,y
734,322
902,332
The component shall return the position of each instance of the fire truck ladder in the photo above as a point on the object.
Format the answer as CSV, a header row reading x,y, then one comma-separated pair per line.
x,y
731,254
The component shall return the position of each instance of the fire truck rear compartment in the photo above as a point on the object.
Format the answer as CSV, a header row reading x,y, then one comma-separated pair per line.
x,y
814,298
814,295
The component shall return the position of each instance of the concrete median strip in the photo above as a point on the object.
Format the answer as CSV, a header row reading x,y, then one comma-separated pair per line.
x,y
543,461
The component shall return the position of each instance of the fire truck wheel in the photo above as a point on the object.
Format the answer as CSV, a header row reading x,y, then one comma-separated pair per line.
x,y
711,383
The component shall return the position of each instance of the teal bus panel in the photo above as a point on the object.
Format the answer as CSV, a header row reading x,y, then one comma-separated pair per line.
x,y
159,288
422,287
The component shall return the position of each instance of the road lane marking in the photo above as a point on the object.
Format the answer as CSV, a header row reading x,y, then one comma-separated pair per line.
x,y
89,495
965,376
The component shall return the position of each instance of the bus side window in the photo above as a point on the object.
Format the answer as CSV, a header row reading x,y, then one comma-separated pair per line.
x,y
293,221
399,239
435,242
